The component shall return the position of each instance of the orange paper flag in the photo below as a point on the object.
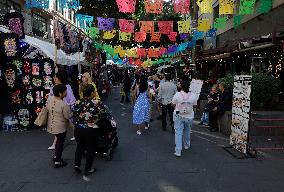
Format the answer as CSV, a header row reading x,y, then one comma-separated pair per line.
x,y
153,6
146,26
140,36
155,37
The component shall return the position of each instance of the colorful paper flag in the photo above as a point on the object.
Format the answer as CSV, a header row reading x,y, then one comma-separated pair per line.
x,y
181,6
153,53
198,35
105,24
165,27
265,6
183,36
172,36
141,52
117,49
43,4
184,26
205,6
122,52
220,23
203,25
237,20
126,6
93,32
140,36
131,52
153,6
211,33
124,36
85,21
246,7
69,4
126,25
155,37
226,7
146,26
163,50
109,34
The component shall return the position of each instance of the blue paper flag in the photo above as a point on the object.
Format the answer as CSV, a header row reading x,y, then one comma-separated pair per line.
x,y
211,33
85,21
198,35
69,4
44,4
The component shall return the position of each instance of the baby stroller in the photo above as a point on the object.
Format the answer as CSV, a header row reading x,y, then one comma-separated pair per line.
x,y
108,139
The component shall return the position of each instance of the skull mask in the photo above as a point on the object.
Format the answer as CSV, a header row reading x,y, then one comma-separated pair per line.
x,y
24,117
10,77
47,68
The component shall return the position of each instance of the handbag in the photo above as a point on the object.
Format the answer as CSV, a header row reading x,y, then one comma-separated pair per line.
x,y
41,119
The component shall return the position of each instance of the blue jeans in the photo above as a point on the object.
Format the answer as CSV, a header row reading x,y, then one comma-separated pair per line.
x,y
205,118
182,127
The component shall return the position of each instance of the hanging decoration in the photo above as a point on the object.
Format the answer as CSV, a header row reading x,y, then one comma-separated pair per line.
x,y
85,21
93,32
211,33
181,6
9,45
153,53
198,35
69,4
122,52
237,20
172,36
43,4
246,7
15,22
124,36
141,52
146,26
220,23
153,6
126,6
106,24
203,25
183,36
226,7
109,34
126,25
184,26
58,34
155,37
140,36
165,27
117,48
163,50
131,52
265,6
205,6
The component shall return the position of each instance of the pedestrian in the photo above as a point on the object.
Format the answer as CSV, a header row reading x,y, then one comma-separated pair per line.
x,y
141,112
126,88
166,93
86,112
87,80
61,79
59,114
183,116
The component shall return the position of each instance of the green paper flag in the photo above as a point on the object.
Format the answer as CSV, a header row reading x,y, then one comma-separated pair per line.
x,y
220,23
246,7
265,6
237,20
93,32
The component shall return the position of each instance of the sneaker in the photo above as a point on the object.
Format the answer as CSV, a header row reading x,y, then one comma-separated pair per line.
x,y
138,132
186,147
85,178
72,139
52,147
90,172
147,127
60,164
77,169
177,154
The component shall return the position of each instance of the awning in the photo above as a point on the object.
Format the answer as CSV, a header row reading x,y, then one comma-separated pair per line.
x,y
255,47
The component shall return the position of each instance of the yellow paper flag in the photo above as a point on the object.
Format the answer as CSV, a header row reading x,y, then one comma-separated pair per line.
x,y
131,52
184,26
203,25
226,7
123,36
122,52
109,34
117,49
205,6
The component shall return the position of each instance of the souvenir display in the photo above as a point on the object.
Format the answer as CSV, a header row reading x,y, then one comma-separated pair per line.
x,y
15,22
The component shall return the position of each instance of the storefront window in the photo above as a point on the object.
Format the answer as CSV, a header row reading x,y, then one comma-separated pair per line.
x,y
39,25
5,7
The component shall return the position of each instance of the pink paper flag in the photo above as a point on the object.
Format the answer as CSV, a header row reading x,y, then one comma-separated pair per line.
x,y
181,6
172,36
126,25
165,27
153,6
126,6
141,52
140,36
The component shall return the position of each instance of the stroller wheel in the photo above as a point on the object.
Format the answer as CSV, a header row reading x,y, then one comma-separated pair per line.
x,y
109,154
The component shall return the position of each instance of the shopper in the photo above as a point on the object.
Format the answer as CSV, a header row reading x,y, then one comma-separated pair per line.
x,y
183,116
87,131
141,112
87,80
166,92
125,92
61,79
59,114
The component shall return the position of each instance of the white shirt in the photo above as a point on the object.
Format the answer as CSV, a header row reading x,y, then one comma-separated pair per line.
x,y
166,92
180,97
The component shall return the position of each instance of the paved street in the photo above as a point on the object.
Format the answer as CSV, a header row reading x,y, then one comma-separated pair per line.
x,y
140,163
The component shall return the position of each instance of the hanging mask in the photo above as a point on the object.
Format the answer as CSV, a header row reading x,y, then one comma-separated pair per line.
x,y
10,77
26,80
24,117
39,97
37,82
15,97
27,67
47,82
29,98
35,69
47,68
18,64
10,47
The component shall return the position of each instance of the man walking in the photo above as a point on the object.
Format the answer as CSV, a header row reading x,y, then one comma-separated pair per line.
x,y
166,93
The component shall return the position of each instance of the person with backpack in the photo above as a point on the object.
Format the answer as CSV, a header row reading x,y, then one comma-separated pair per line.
x,y
183,102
